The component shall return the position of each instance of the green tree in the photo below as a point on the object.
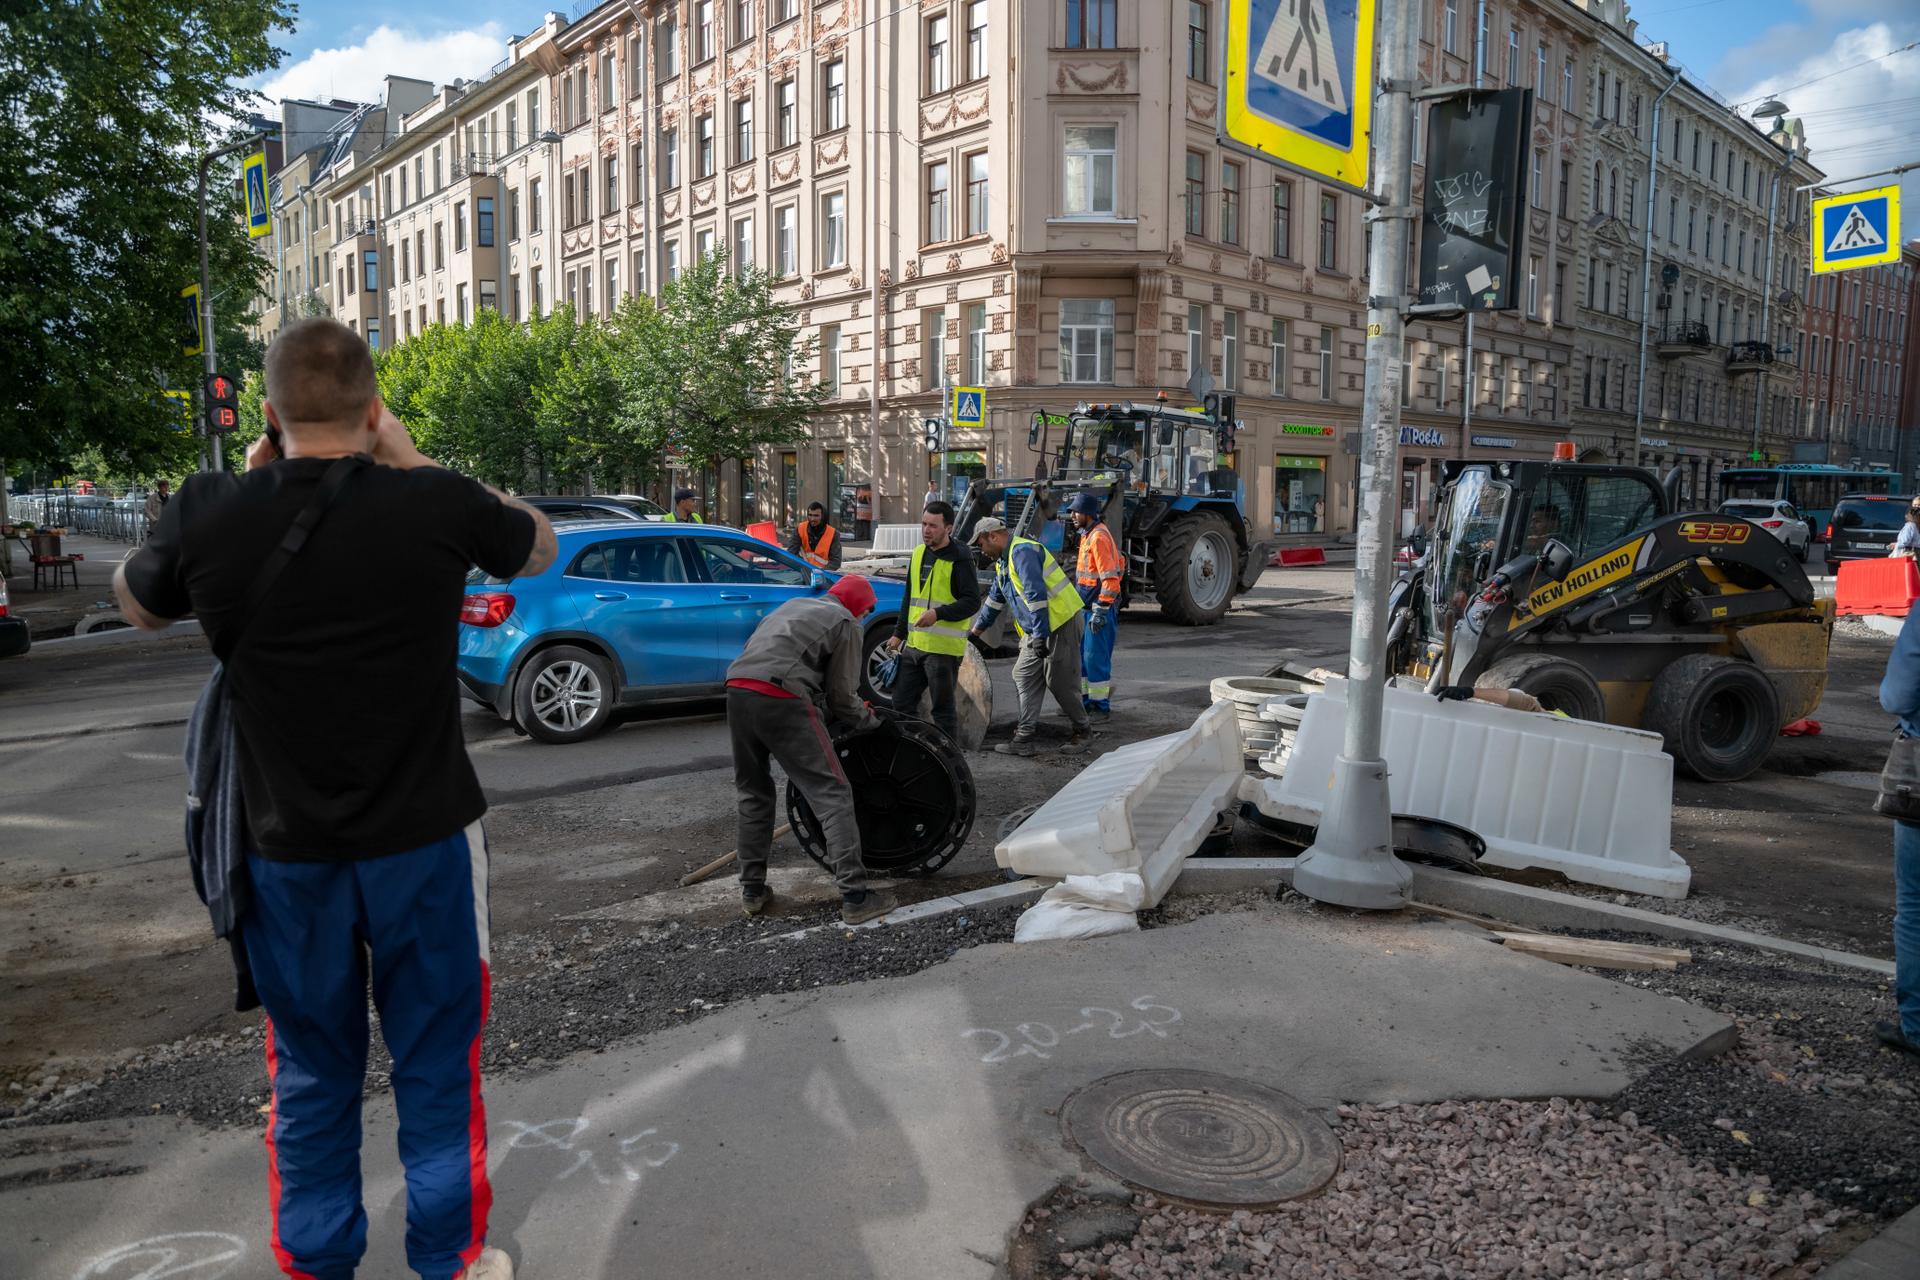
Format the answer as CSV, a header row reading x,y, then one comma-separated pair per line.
x,y
707,373
104,110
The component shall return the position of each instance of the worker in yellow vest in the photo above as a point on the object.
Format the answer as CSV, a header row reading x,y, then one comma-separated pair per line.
x,y
1046,613
943,594
816,541
684,501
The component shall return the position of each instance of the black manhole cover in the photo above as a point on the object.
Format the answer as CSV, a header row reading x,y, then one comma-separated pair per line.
x,y
1204,1140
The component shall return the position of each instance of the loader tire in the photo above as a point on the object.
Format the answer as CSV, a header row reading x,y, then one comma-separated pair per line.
x,y
1560,685
1719,716
1196,567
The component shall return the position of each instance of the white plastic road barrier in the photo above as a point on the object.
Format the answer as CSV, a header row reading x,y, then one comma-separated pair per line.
x,y
1591,801
1143,808
895,539
1249,696
1084,907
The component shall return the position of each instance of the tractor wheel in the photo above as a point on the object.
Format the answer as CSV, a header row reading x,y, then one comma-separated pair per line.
x,y
1719,716
1195,567
1561,685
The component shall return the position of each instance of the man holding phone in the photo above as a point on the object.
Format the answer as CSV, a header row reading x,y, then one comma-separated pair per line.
x,y
366,858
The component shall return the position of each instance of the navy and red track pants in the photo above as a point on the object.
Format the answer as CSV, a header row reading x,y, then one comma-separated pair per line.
x,y
417,923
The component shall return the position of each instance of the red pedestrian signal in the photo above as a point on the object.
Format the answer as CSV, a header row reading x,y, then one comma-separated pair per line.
x,y
223,404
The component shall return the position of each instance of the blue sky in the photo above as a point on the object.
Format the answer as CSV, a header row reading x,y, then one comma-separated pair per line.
x,y
1866,117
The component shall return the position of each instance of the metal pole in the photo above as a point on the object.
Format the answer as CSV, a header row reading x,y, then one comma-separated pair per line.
x,y
1469,381
214,460
1351,862
1766,299
1646,265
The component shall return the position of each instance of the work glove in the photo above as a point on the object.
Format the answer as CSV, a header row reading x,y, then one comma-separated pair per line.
x,y
888,670
1100,613
1454,693
1044,643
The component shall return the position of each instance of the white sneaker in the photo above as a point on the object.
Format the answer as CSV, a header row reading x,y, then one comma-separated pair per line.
x,y
492,1264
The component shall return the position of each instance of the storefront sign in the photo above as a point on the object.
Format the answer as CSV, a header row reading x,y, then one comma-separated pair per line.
x,y
1292,462
1301,429
1426,437
1495,442
1654,442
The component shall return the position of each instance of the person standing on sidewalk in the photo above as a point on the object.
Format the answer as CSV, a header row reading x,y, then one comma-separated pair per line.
x,y
684,502
1098,576
816,541
805,652
1046,613
1900,697
156,502
365,856
943,594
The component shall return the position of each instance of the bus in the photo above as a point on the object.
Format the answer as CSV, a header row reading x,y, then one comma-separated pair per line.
x,y
1812,487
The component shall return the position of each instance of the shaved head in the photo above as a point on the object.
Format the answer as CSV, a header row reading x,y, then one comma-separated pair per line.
x,y
319,374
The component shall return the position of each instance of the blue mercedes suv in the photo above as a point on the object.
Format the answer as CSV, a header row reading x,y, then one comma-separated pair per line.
x,y
633,613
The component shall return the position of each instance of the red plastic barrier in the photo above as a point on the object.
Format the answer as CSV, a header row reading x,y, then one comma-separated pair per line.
x,y
1298,555
1883,585
766,531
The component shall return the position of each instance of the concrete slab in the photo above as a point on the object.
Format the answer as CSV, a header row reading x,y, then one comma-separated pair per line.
x,y
897,1128
1894,1254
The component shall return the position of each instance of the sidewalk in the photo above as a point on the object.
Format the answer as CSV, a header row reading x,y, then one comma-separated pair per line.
x,y
897,1128
56,613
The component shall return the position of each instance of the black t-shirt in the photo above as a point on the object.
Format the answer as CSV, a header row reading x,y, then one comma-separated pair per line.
x,y
344,695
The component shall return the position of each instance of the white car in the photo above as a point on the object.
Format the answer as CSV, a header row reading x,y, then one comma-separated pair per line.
x,y
1778,518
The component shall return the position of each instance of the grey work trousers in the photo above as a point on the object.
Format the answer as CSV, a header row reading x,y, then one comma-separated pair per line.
x,y
1057,670
765,728
935,676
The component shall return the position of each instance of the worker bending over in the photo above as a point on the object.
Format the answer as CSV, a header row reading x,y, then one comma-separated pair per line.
x,y
804,653
1046,613
816,541
931,636
1098,576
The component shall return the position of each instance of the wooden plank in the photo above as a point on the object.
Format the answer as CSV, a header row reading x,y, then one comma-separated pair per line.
x,y
1484,922
1679,955
1594,953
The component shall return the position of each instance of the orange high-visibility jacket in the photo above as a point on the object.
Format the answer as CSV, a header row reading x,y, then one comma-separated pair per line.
x,y
1100,563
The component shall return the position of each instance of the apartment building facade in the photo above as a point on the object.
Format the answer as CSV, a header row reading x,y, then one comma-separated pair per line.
x,y
1849,397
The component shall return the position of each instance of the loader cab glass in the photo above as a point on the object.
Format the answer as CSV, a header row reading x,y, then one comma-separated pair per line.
x,y
1468,531
1590,512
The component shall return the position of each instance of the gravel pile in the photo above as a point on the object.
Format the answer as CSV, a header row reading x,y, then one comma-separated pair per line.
x,y
555,992
1859,630
1494,1189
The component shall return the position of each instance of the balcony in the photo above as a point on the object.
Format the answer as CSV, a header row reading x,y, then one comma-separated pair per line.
x,y
1684,338
1750,357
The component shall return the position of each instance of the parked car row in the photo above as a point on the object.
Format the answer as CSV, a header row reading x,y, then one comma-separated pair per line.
x,y
1865,525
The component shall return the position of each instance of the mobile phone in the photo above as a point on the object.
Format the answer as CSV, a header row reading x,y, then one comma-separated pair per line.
x,y
273,434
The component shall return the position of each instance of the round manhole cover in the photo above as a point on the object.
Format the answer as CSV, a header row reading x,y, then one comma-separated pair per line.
x,y
1204,1140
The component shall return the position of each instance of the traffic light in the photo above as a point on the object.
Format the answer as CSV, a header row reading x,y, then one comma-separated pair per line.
x,y
223,404
934,428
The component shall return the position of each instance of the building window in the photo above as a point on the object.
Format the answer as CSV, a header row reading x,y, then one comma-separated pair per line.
x,y
976,344
939,77
1196,194
370,270
1230,352
1230,202
939,227
1196,338
439,246
439,173
669,159
1282,218
406,261
977,194
1566,184
833,229
1450,25
638,284
1539,182
976,39
703,146
1090,169
1329,231
702,31
483,222
1282,358
1513,57
1633,201
786,239
741,29
513,214
1092,24
1566,85
936,331
1533,286
743,130
533,205
1540,69
666,48
373,333
610,184
607,81
1086,338
1326,363
702,245
1197,41
786,112
833,80
513,299
830,358
784,10
670,261
742,244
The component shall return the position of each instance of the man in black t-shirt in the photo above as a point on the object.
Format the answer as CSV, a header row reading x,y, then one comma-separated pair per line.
x,y
366,853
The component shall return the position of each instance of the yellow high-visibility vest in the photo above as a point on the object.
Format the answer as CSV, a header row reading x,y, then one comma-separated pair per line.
x,y
936,590
1062,600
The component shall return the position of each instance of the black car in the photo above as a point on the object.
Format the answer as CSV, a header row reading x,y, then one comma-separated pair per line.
x,y
597,506
1865,525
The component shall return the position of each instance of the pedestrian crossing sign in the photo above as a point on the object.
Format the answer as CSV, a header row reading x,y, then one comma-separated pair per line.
x,y
969,406
1298,85
1858,229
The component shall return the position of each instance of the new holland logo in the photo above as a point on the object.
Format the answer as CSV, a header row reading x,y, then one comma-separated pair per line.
x,y
1584,581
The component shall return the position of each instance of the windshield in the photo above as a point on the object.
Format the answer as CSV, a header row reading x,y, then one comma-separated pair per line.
x,y
1469,531
1853,513
1095,446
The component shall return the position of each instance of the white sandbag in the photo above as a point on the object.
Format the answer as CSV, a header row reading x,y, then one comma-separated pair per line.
x,y
1084,907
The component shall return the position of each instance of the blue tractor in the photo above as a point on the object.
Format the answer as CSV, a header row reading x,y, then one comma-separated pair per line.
x,y
1177,511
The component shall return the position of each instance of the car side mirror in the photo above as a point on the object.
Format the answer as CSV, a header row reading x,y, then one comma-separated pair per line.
x,y
819,581
1556,560
1034,430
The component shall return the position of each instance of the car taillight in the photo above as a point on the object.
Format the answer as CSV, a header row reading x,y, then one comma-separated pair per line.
x,y
1829,533
1771,524
3,597
487,610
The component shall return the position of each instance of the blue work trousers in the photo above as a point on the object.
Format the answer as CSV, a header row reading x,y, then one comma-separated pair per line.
x,y
1096,655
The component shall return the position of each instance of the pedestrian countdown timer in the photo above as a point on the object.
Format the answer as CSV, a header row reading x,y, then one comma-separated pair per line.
x,y
1299,85
1858,229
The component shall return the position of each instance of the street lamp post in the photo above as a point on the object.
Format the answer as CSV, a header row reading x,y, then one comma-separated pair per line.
x,y
1777,109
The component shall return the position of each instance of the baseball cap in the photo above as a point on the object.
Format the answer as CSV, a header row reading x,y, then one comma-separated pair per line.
x,y
855,592
989,525
681,495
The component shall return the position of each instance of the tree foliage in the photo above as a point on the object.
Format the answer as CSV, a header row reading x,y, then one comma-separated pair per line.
x,y
104,111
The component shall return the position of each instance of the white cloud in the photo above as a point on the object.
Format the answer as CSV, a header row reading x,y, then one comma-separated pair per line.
x,y
1863,118
358,72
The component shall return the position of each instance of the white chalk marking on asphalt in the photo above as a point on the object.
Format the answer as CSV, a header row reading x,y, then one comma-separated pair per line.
x,y
1040,1039
182,1253
637,1154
